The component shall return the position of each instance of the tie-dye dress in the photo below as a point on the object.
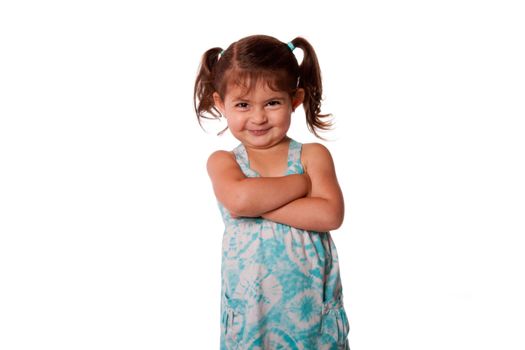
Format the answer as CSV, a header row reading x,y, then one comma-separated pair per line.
x,y
281,286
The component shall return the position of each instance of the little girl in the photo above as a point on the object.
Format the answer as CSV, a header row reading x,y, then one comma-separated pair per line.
x,y
281,285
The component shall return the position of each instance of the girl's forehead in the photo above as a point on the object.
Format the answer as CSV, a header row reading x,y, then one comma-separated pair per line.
x,y
246,89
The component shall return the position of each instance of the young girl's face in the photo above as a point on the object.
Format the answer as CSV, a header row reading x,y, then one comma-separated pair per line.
x,y
259,118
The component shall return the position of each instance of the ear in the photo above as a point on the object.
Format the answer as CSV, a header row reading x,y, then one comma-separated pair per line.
x,y
219,103
298,98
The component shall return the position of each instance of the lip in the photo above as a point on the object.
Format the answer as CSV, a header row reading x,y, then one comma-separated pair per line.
x,y
259,132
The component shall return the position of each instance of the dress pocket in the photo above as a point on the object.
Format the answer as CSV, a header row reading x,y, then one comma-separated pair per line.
x,y
334,323
233,323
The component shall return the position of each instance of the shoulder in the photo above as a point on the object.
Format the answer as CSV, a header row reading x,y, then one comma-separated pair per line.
x,y
315,148
223,167
316,154
221,154
220,158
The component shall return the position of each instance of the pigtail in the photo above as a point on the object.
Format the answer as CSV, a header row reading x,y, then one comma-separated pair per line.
x,y
204,89
310,81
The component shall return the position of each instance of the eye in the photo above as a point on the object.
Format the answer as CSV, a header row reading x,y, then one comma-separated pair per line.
x,y
274,103
241,105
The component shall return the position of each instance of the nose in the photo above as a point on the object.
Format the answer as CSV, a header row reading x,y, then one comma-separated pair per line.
x,y
259,116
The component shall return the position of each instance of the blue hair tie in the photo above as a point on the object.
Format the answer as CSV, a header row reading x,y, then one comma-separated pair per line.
x,y
291,46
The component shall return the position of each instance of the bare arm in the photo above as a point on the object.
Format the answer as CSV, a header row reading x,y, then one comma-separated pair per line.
x,y
244,196
323,209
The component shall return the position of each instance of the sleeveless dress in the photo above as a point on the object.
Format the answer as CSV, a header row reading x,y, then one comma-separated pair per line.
x,y
281,286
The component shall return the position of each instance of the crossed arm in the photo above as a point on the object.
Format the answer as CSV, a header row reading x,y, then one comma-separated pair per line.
x,y
311,201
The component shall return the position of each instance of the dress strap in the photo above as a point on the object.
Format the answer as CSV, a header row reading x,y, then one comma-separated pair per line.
x,y
294,158
241,156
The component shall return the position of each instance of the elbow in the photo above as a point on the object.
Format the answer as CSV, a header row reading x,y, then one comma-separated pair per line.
x,y
239,205
328,218
238,200
333,223
334,219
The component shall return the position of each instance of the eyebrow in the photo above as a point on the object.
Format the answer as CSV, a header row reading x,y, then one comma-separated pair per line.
x,y
241,98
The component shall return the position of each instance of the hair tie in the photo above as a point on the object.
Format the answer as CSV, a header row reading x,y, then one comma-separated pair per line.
x,y
291,46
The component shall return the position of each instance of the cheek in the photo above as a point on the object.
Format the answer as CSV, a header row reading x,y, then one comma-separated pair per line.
x,y
285,119
234,123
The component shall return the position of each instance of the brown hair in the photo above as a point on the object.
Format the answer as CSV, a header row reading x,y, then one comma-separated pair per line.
x,y
261,57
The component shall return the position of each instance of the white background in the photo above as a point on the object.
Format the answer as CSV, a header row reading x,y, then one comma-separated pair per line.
x,y
110,236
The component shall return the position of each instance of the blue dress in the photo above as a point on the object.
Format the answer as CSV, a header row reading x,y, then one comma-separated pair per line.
x,y
281,286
